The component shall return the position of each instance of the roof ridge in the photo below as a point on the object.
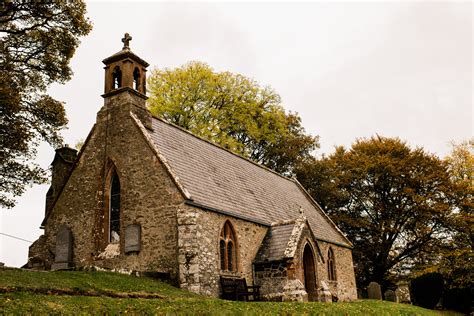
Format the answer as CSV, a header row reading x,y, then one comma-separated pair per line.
x,y
220,147
283,222
320,209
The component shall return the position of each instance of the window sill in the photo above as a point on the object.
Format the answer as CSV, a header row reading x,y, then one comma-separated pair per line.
x,y
229,273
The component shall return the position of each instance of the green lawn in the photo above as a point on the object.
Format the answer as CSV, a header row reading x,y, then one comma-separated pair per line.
x,y
28,292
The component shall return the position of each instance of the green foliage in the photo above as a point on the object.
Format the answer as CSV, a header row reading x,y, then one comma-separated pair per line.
x,y
232,111
458,299
426,290
37,42
393,202
461,162
173,302
458,250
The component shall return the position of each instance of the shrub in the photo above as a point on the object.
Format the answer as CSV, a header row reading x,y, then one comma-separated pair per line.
x,y
458,299
427,289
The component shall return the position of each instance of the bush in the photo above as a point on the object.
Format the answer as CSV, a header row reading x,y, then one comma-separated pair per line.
x,y
458,299
427,289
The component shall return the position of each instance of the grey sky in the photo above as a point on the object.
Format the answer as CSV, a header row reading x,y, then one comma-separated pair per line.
x,y
349,69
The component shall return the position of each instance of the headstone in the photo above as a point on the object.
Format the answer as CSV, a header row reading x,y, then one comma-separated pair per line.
x,y
132,238
374,291
325,294
63,256
390,295
403,293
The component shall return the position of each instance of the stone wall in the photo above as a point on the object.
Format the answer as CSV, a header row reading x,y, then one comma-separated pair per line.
x,y
272,277
207,232
148,196
177,239
344,286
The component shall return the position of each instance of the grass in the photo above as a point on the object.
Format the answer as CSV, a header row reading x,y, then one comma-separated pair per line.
x,y
29,292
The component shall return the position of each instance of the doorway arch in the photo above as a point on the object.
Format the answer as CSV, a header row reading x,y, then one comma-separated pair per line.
x,y
309,273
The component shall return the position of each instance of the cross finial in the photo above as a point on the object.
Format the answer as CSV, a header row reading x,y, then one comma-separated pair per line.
x,y
126,41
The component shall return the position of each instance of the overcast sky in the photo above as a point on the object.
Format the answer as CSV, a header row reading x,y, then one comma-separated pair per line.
x,y
349,69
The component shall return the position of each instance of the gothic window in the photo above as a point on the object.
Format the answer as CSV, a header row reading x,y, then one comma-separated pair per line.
x,y
331,266
227,248
117,77
136,79
114,209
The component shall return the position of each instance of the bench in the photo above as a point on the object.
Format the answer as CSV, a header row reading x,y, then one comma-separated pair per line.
x,y
236,289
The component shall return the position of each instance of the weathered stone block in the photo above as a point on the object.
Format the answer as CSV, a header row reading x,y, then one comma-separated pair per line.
x,y
132,238
390,295
324,294
403,293
294,291
63,257
374,291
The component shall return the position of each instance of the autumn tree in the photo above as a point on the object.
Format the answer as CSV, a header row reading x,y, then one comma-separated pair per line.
x,y
37,42
232,111
458,250
391,201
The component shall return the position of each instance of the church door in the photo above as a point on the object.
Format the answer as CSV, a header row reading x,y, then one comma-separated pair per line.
x,y
309,273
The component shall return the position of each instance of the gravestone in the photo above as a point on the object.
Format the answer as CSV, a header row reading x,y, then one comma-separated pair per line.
x,y
132,238
374,291
325,294
390,295
63,255
403,293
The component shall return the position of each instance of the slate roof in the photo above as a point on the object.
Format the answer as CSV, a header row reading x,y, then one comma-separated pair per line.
x,y
275,243
221,180
125,53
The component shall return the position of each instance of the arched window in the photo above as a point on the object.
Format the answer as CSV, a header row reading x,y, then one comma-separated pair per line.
x,y
227,248
114,209
331,266
136,78
117,77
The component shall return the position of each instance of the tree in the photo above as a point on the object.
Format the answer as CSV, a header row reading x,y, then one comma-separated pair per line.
x,y
391,201
37,42
461,162
458,250
232,111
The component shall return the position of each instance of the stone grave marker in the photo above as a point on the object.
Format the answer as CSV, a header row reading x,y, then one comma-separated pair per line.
x,y
63,255
390,295
403,293
132,238
374,291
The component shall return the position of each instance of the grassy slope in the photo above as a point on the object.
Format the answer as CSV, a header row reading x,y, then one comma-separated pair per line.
x,y
174,301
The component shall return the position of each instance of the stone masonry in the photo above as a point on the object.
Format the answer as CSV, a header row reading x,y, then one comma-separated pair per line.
x,y
161,228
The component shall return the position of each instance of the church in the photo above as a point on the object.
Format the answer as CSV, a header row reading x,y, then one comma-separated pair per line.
x,y
146,196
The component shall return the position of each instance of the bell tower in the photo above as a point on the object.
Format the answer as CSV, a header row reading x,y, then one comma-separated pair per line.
x,y
125,70
125,82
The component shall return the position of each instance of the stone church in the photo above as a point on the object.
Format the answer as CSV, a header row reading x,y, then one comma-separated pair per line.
x,y
147,196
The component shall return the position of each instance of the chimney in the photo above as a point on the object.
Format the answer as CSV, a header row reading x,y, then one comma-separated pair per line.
x,y
61,168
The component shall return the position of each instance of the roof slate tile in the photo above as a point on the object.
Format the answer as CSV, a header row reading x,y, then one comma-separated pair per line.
x,y
222,180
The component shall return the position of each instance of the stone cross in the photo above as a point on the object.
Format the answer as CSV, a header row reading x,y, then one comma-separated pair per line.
x,y
126,41
374,291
